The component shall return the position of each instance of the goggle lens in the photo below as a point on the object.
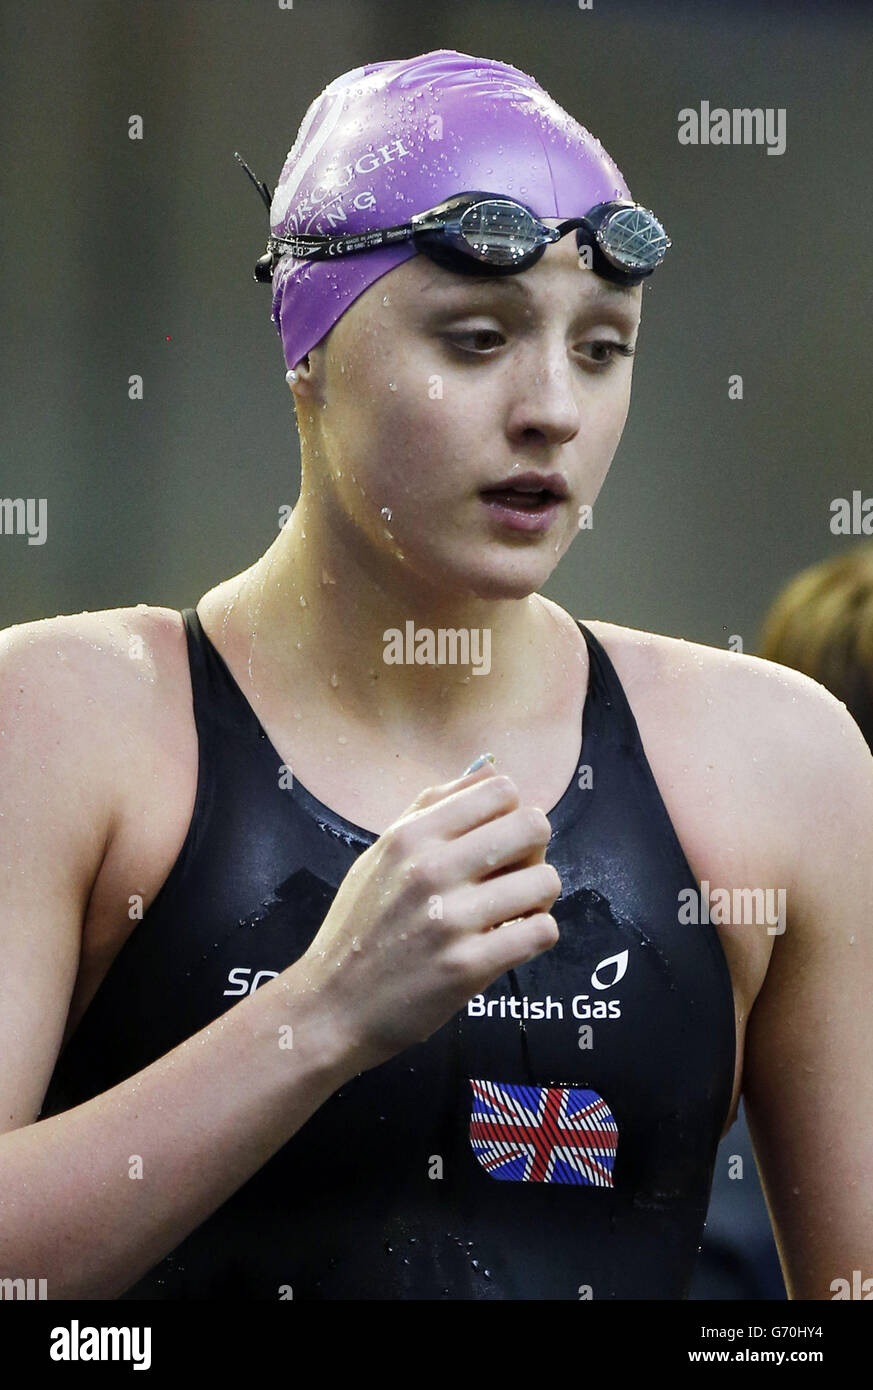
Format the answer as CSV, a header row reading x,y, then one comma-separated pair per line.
x,y
633,239
502,234
499,233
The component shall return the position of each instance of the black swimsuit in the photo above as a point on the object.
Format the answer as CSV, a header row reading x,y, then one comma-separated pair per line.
x,y
554,1140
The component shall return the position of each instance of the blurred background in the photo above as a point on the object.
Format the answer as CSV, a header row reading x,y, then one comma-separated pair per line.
x,y
135,256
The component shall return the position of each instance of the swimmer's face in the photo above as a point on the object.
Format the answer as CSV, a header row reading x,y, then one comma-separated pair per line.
x,y
432,386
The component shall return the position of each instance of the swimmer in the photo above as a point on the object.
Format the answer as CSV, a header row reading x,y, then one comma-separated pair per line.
x,y
360,1026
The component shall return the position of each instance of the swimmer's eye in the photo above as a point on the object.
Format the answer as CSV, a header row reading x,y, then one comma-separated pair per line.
x,y
615,350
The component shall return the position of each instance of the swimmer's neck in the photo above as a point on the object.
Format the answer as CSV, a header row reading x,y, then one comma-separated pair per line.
x,y
308,623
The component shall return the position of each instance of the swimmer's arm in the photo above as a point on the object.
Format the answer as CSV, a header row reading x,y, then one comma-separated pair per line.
x,y
203,1118
808,1073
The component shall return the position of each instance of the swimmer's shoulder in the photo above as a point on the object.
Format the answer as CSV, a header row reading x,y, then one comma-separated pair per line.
x,y
92,750
778,736
98,655
720,673
99,685
692,678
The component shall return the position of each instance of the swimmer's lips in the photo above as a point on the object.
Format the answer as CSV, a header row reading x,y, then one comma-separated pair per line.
x,y
522,511
554,484
528,491
526,501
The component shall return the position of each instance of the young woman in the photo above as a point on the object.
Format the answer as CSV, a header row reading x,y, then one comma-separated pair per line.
x,y
302,1011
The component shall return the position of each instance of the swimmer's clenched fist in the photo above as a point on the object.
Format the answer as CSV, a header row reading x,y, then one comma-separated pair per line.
x,y
408,938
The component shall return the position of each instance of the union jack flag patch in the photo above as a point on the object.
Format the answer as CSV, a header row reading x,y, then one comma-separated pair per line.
x,y
543,1133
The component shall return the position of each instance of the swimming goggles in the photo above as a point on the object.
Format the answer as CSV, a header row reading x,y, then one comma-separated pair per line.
x,y
477,232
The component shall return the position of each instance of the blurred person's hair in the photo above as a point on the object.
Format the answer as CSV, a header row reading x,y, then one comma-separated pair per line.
x,y
821,624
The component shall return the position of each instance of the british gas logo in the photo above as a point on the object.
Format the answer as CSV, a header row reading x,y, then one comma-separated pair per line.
x,y
606,974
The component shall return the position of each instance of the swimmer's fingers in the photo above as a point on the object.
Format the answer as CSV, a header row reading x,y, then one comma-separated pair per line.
x,y
460,812
513,943
495,901
430,795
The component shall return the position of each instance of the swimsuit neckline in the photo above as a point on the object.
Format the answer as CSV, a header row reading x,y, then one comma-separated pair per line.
x,y
566,807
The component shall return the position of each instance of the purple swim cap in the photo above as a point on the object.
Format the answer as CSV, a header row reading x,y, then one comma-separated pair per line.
x,y
388,140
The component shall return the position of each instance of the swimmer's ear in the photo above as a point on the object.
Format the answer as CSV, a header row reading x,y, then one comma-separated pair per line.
x,y
306,371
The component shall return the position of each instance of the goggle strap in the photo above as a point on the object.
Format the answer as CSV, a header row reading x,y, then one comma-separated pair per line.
x,y
262,188
311,247
316,246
